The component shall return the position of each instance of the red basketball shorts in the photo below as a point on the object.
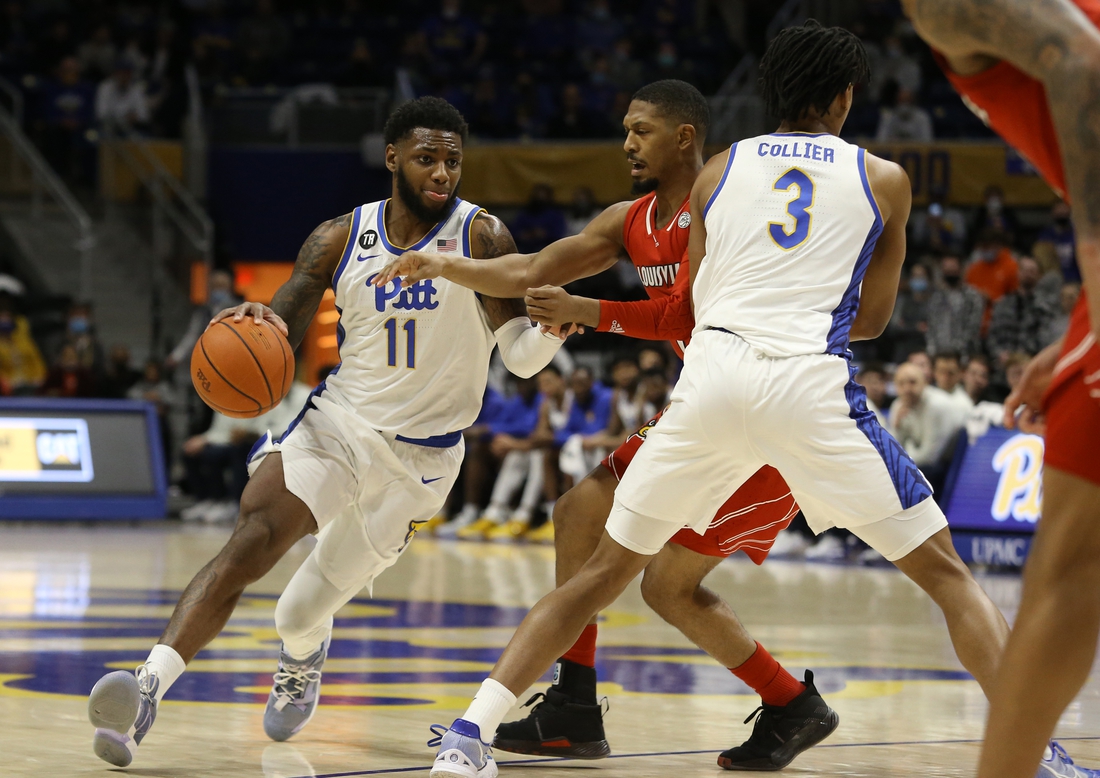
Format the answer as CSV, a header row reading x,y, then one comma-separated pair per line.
x,y
1072,404
748,521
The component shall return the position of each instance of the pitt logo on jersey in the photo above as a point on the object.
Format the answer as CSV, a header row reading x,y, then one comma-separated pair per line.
x,y
1019,493
418,297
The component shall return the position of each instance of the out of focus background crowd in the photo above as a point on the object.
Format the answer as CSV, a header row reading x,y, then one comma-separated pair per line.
x,y
986,284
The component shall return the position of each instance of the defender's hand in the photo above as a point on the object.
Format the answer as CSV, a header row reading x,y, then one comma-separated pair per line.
x,y
412,266
553,306
1024,407
258,311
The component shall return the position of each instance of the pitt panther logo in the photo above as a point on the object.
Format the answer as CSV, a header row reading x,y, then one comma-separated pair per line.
x,y
418,297
1019,493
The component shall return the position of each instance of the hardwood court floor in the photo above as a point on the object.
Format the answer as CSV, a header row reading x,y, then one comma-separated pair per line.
x,y
77,600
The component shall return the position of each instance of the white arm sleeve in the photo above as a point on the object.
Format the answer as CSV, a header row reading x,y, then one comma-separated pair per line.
x,y
524,348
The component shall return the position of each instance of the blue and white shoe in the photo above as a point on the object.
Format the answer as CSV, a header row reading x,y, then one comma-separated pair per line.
x,y
462,753
1056,763
122,708
294,693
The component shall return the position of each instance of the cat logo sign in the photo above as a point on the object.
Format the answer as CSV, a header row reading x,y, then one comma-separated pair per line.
x,y
1019,494
45,450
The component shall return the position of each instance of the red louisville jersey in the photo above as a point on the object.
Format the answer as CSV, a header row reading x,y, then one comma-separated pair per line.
x,y
660,256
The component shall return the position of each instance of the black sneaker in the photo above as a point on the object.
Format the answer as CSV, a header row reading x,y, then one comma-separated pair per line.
x,y
782,732
567,722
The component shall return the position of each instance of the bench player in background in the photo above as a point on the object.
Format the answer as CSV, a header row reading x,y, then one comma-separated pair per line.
x,y
378,444
1031,69
666,128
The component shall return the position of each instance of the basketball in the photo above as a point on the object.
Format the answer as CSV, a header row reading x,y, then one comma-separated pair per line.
x,y
242,369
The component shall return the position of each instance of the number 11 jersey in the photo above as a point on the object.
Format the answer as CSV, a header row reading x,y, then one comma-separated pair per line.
x,y
412,361
791,228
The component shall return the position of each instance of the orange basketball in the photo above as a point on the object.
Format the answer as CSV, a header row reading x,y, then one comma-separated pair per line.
x,y
242,369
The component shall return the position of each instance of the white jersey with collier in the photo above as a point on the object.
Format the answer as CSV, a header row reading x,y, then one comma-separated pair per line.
x,y
790,231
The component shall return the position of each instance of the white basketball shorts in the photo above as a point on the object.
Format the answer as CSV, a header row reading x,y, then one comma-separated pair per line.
x,y
735,410
367,490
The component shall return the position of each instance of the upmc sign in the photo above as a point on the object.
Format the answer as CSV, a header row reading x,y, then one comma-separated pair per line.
x,y
999,483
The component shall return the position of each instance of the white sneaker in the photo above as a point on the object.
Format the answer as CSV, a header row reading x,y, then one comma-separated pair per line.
x,y
467,516
789,542
196,511
221,512
462,754
869,556
829,548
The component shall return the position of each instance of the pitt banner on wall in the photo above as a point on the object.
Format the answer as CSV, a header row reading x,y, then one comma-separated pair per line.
x,y
999,483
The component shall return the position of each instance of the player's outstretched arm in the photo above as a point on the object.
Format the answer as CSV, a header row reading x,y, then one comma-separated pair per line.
x,y
523,347
293,306
511,274
878,294
1054,42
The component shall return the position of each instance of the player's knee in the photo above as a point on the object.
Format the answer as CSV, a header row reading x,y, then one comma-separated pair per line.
x,y
667,596
293,618
257,543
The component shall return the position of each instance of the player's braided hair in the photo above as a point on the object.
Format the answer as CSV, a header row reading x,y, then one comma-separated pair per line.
x,y
679,101
432,113
807,67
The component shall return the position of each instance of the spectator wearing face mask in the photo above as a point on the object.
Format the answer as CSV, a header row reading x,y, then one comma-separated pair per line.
x,y
219,297
1020,319
994,215
80,334
1056,248
992,271
954,312
909,324
22,368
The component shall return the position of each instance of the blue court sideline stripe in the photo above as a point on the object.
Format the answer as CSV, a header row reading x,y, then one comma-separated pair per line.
x,y
422,768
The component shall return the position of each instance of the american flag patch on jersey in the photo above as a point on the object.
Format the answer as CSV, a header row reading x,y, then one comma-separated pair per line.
x,y
450,244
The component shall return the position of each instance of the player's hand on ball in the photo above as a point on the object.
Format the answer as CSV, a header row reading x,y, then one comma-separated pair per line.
x,y
258,311
412,266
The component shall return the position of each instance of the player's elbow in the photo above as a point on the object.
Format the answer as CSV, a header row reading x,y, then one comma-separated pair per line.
x,y
868,328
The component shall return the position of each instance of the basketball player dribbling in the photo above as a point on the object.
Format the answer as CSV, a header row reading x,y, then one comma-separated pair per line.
x,y
1031,69
665,133
377,446
796,246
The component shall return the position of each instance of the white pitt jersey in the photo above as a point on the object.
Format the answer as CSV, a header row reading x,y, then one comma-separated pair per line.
x,y
412,361
790,232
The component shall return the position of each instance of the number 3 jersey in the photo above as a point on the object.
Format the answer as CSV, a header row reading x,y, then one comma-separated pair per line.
x,y
790,231
413,361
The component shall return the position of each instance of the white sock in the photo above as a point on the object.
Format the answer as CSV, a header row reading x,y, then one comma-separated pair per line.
x,y
491,702
166,665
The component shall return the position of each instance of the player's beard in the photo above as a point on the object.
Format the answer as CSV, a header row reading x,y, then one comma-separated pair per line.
x,y
643,186
410,198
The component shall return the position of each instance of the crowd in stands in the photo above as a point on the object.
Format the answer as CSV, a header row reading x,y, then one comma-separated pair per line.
x,y
539,69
